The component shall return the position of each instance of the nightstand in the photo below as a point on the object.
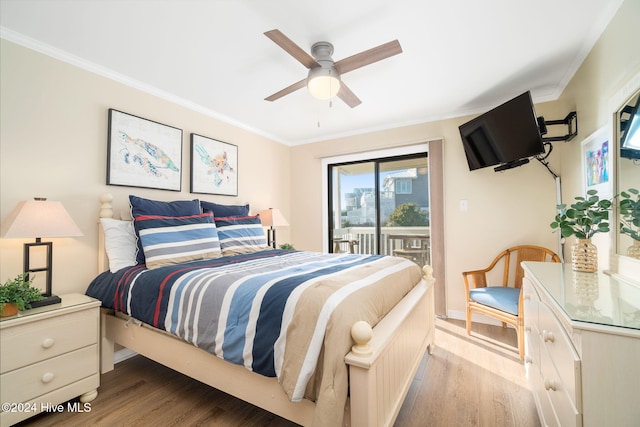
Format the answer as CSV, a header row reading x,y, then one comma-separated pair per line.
x,y
49,355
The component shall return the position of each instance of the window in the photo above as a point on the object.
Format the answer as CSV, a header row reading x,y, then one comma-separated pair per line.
x,y
375,204
403,186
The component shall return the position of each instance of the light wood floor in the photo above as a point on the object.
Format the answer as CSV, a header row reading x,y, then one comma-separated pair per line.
x,y
467,381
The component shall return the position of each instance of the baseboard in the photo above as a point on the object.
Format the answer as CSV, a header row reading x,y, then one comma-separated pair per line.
x,y
122,355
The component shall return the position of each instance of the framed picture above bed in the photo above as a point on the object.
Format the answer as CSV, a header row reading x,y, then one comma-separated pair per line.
x,y
143,153
214,166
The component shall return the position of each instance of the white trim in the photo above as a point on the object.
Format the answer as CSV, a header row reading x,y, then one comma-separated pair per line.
x,y
354,157
108,73
123,354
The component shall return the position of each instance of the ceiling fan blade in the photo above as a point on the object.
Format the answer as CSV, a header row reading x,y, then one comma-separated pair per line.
x,y
287,90
368,57
348,96
292,49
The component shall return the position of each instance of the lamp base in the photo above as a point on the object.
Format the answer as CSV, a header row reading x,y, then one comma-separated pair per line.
x,y
53,299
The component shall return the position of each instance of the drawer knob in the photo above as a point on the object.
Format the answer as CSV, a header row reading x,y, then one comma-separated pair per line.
x,y
47,377
548,336
527,297
527,328
528,359
48,343
549,385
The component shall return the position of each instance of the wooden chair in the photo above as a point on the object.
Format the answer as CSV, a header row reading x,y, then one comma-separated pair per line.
x,y
346,241
503,301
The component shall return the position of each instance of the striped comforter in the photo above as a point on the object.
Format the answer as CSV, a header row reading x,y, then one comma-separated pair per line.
x,y
278,313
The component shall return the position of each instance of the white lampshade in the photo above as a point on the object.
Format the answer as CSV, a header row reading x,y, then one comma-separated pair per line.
x,y
323,83
272,218
39,218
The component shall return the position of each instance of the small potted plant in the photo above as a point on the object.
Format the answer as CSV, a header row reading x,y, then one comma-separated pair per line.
x,y
629,217
287,247
583,219
17,294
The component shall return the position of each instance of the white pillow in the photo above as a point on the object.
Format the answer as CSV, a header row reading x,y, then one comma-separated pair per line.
x,y
119,242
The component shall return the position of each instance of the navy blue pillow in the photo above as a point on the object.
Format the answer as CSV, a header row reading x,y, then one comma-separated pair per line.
x,y
224,210
141,206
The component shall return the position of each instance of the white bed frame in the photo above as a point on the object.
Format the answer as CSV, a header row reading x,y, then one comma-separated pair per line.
x,y
382,363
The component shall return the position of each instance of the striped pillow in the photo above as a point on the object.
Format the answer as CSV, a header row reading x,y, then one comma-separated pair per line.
x,y
241,235
174,239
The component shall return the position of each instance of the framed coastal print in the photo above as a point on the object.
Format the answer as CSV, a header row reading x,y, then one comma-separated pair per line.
x,y
143,153
214,166
596,162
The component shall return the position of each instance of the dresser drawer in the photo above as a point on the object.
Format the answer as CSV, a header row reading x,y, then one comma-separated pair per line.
x,y
26,383
562,402
531,301
545,409
561,351
32,342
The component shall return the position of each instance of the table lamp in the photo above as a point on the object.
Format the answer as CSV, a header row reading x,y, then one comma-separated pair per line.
x,y
40,218
272,218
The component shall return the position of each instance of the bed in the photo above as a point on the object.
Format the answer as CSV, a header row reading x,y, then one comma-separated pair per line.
x,y
345,344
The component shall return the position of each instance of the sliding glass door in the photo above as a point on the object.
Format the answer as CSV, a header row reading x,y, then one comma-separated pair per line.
x,y
380,206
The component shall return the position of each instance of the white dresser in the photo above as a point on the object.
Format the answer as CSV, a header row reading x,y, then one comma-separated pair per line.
x,y
582,346
48,356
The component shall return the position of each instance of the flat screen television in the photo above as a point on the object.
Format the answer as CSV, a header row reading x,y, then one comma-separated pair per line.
x,y
506,136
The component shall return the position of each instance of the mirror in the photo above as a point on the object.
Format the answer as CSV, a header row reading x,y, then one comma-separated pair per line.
x,y
627,137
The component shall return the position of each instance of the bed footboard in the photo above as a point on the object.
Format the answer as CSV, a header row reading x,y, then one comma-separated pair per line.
x,y
382,369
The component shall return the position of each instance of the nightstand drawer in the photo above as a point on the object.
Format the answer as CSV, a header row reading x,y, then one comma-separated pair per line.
x,y
32,342
43,377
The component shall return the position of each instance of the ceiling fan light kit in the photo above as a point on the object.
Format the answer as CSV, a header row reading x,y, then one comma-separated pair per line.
x,y
323,80
323,83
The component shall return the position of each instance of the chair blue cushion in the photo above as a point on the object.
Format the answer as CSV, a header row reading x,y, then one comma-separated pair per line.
x,y
499,297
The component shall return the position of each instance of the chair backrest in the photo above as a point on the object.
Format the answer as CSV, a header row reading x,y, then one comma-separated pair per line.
x,y
510,260
523,253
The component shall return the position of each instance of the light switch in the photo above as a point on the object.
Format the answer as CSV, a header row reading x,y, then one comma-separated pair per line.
x,y
464,205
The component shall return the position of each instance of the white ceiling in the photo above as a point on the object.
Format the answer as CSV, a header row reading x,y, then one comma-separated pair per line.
x,y
459,56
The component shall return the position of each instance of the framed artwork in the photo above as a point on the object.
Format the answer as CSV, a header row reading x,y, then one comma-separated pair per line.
x,y
214,166
596,162
143,153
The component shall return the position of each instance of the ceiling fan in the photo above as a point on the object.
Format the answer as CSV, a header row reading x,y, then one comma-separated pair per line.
x,y
324,80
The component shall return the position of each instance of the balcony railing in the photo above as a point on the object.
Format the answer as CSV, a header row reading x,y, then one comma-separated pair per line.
x,y
392,239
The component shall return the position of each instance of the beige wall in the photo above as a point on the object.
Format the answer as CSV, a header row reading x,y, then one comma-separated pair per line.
x,y
53,121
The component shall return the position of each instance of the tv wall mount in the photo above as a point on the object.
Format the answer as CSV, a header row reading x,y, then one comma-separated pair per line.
x,y
571,121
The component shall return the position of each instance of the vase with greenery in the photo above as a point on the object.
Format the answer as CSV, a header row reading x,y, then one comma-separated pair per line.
x,y
583,219
17,294
628,203
287,247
